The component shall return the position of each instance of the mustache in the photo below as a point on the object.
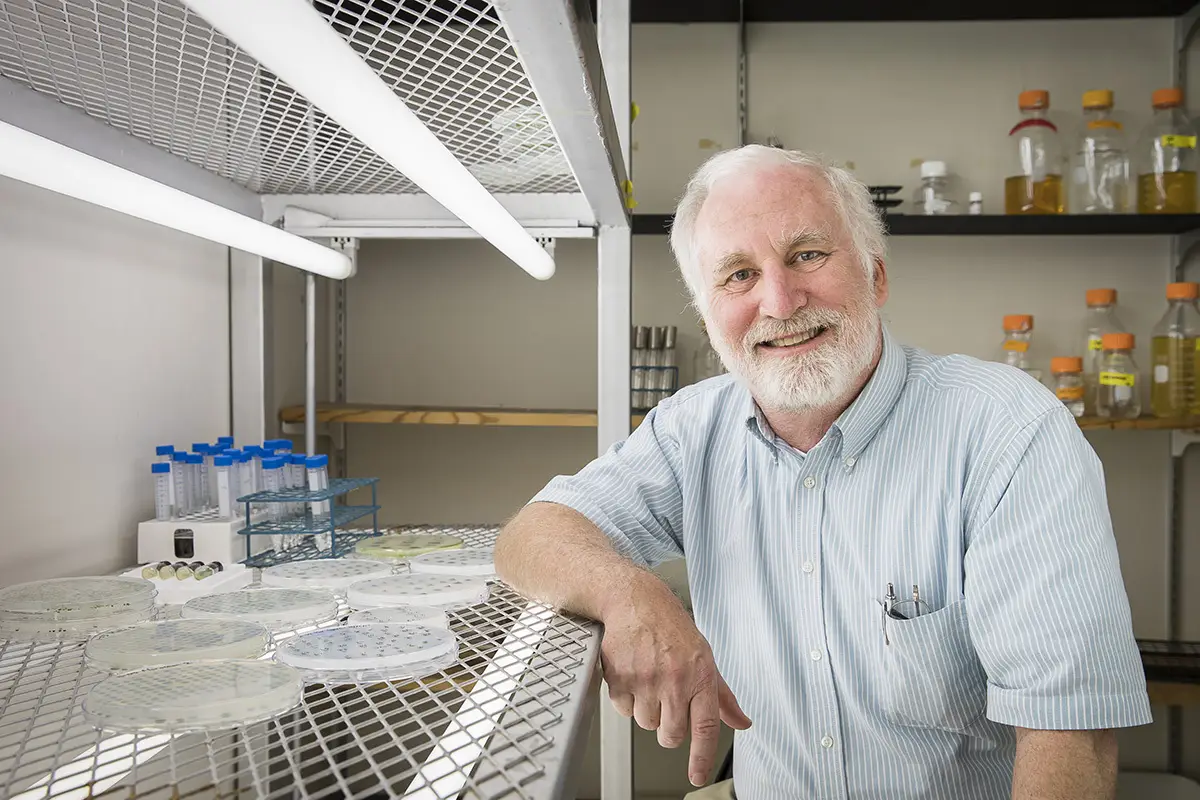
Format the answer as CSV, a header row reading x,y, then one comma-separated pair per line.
x,y
803,320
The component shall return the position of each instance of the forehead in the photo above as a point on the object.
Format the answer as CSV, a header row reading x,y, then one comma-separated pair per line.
x,y
752,212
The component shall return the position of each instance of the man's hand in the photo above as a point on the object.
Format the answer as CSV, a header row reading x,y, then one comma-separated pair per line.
x,y
661,672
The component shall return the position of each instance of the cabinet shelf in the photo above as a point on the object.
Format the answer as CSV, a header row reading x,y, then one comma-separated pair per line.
x,y
550,418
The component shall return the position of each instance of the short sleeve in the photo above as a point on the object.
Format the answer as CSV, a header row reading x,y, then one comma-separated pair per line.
x,y
1047,608
632,493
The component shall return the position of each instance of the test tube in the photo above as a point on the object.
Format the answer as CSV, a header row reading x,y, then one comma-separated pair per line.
x,y
197,482
245,474
299,479
255,465
224,442
162,489
165,453
273,482
203,497
223,466
280,446
181,480
318,480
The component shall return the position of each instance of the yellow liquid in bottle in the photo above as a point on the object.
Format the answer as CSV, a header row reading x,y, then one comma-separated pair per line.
x,y
1173,376
1169,193
1024,195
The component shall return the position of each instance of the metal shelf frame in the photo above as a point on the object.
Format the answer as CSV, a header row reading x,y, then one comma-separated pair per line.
x,y
508,720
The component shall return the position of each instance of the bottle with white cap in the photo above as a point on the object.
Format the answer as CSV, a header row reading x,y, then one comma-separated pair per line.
x,y
975,203
933,196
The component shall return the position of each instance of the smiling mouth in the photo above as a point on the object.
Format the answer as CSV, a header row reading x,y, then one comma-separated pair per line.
x,y
798,338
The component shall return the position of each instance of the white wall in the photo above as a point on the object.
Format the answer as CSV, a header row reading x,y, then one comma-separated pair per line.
x,y
113,339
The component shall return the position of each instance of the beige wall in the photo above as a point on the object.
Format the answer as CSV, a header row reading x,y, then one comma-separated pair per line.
x,y
453,323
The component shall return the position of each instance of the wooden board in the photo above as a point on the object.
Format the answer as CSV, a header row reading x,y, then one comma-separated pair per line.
x,y
1173,694
1141,423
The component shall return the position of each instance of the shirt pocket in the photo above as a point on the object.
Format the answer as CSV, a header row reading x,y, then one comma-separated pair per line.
x,y
932,676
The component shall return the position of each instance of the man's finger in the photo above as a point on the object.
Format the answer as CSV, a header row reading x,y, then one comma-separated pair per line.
x,y
673,726
622,701
647,712
706,725
731,713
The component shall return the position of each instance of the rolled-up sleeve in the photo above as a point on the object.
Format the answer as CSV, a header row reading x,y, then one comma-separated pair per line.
x,y
632,493
1047,608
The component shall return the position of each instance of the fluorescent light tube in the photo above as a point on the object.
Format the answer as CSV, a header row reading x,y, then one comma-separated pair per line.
x,y
33,159
293,40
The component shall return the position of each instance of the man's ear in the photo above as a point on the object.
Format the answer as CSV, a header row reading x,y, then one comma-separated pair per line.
x,y
879,281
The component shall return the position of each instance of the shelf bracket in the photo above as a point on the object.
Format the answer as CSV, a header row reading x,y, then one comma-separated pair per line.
x,y
348,245
1181,440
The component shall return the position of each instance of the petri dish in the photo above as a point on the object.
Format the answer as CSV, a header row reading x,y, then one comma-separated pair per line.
x,y
476,562
405,545
378,651
274,607
443,591
175,641
196,695
330,573
404,615
76,598
31,629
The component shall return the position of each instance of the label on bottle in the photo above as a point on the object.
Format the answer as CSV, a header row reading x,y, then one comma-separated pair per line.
x,y
1014,346
1066,393
1162,373
1094,343
1176,140
1103,123
1117,379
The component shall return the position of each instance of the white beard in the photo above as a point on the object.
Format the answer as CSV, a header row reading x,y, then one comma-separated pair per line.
x,y
817,379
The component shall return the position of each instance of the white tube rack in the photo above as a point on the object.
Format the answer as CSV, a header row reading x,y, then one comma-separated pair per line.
x,y
508,720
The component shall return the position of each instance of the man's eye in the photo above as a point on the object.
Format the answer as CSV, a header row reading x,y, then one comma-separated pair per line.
x,y
740,275
807,255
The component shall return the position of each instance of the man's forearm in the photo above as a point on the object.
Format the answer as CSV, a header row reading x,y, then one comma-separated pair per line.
x,y
1065,765
555,554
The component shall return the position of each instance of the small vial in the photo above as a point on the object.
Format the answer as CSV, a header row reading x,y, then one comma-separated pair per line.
x,y
1068,382
186,571
150,571
975,203
167,570
208,570
1117,393
181,479
162,489
223,466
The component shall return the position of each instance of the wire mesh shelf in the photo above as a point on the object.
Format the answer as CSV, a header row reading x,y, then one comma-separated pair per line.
x,y
1171,662
337,487
340,543
158,71
505,721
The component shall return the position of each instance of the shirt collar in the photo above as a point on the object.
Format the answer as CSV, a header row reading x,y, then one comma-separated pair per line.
x,y
863,418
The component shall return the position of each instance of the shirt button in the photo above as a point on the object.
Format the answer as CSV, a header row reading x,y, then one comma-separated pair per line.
x,y
810,482
851,461
827,741
815,655
807,566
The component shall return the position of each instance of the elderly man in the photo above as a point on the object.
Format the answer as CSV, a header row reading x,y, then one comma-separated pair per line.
x,y
902,565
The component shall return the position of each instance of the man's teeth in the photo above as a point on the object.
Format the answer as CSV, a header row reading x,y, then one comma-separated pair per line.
x,y
799,338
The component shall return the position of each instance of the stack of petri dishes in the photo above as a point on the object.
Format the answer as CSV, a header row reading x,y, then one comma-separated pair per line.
x,y
73,609
369,653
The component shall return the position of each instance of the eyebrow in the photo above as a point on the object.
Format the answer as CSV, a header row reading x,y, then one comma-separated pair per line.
x,y
792,240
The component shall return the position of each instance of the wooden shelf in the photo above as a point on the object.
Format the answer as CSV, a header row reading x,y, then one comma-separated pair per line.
x,y
551,418
674,11
1163,693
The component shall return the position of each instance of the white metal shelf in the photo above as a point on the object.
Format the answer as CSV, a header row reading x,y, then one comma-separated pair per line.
x,y
506,721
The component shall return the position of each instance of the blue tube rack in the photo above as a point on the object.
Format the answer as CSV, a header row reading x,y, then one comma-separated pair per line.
x,y
339,515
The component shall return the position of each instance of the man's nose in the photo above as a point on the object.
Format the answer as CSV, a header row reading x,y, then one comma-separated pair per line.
x,y
780,293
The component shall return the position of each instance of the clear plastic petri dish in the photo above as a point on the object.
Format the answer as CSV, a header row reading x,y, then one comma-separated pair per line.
x,y
374,652
175,641
477,562
442,591
76,598
31,629
193,696
399,546
274,607
403,615
330,573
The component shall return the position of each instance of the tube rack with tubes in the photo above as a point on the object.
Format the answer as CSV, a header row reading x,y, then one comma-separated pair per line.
x,y
308,535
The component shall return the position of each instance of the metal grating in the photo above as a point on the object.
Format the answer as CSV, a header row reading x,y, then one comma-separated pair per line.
x,y
157,71
495,725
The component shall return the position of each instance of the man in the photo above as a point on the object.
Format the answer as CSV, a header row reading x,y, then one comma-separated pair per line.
x,y
902,565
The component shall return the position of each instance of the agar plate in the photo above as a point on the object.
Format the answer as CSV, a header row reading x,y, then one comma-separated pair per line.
x,y
176,640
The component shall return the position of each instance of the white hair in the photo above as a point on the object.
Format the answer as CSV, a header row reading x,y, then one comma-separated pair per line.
x,y
850,197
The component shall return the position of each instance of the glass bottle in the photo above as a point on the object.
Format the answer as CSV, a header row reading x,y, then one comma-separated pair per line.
x,y
706,363
1117,394
1018,335
1034,182
1167,158
1100,161
1101,319
1173,353
1068,382
933,195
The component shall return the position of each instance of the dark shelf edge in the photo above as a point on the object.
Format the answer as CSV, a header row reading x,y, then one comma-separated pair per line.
x,y
708,11
1000,225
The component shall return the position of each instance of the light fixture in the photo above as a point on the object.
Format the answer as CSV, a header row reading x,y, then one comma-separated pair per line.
x,y
291,39
33,159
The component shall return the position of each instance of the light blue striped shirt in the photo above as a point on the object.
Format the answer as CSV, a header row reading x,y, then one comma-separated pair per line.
x,y
966,478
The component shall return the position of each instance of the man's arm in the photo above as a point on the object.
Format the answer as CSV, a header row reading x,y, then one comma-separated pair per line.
x,y
1065,765
659,669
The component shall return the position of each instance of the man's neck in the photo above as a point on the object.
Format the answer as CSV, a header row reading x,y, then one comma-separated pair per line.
x,y
804,429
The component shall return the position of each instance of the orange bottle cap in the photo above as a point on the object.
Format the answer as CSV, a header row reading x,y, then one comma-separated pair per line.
x,y
1117,341
1066,364
1101,297
1167,98
1183,291
1098,98
1034,98
1018,322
